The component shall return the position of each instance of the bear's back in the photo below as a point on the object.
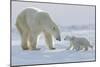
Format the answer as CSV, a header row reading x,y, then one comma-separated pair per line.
x,y
30,11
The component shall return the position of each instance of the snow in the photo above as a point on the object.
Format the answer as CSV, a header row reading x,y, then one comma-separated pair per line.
x,y
71,20
59,55
21,57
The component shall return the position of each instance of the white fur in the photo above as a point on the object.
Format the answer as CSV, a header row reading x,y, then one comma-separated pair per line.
x,y
31,22
78,43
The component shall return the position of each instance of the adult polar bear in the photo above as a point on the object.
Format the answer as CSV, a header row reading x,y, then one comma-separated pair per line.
x,y
31,22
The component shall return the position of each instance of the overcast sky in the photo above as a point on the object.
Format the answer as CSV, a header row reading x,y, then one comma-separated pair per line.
x,y
63,15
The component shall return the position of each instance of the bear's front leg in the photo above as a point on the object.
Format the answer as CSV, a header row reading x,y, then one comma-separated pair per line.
x,y
48,39
32,42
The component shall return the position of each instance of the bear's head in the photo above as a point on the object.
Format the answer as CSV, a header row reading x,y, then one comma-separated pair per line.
x,y
53,29
49,25
55,32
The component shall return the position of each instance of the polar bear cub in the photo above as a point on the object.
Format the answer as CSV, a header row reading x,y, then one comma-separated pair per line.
x,y
78,43
31,22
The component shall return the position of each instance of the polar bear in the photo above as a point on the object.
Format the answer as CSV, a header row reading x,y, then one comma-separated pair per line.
x,y
78,43
31,22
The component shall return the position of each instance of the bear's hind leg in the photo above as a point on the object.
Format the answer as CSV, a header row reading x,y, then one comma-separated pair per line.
x,y
32,42
24,42
48,39
23,35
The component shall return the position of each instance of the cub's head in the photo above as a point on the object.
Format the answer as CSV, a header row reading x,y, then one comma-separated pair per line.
x,y
69,37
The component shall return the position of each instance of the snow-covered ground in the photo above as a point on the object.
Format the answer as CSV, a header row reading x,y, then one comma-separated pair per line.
x,y
60,55
71,19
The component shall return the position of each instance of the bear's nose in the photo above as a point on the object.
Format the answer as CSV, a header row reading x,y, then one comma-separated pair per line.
x,y
59,38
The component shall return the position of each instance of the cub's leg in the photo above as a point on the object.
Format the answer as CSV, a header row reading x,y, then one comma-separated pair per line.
x,y
81,47
48,39
71,45
86,48
76,47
